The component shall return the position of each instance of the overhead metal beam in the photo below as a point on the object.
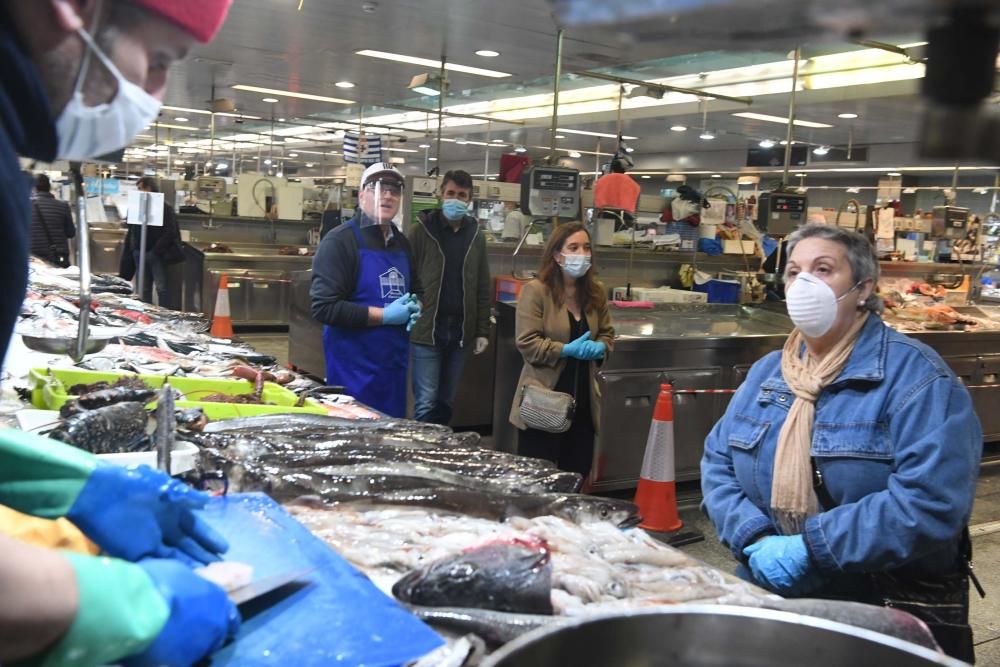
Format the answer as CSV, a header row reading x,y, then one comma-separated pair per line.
x,y
405,107
674,89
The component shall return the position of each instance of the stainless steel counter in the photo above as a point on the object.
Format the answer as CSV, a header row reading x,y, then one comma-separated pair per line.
x,y
703,347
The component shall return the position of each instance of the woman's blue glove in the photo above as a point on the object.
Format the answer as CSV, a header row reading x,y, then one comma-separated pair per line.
x,y
138,512
782,563
201,617
399,311
594,350
575,349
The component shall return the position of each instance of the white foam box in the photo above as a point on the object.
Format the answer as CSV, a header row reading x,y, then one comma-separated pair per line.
x,y
734,247
661,295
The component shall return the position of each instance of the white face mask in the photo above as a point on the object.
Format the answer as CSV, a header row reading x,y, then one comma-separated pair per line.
x,y
576,266
86,132
812,304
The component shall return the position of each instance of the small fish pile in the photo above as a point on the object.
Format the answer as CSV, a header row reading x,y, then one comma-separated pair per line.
x,y
501,579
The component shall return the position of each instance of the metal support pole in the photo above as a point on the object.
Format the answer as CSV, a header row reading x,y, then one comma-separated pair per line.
x,y
486,158
555,98
789,134
442,90
83,259
144,220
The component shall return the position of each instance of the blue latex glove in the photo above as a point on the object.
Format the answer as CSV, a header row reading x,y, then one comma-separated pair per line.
x,y
414,316
137,512
594,350
201,617
575,349
782,563
399,311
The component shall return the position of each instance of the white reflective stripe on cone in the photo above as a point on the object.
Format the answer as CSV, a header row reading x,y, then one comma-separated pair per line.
x,y
658,461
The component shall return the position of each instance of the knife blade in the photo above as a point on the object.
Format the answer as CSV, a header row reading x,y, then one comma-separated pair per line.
x,y
255,589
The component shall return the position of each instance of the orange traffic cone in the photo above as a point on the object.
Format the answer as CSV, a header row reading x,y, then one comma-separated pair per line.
x,y
222,321
657,492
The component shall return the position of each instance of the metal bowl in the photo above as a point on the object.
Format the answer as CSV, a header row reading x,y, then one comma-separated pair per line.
x,y
52,345
711,636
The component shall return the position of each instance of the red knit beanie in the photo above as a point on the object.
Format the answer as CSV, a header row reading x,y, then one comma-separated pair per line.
x,y
201,18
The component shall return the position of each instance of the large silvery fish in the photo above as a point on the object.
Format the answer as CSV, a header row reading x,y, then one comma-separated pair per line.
x,y
505,575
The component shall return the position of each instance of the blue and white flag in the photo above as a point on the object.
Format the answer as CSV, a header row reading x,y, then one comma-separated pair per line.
x,y
362,148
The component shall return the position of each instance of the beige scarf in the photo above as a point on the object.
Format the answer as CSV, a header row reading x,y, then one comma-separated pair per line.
x,y
792,496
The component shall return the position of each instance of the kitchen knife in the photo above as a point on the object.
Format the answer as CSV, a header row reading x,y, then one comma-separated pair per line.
x,y
255,589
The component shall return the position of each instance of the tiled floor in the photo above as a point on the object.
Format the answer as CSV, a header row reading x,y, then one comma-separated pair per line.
x,y
985,613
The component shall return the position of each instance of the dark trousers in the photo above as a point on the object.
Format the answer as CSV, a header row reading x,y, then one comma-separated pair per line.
x,y
156,273
572,451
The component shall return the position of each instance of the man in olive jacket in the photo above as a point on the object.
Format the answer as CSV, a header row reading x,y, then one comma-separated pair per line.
x,y
449,254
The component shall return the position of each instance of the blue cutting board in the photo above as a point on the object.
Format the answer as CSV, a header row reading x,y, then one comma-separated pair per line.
x,y
337,618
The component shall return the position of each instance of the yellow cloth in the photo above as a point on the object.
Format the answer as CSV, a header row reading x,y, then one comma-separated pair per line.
x,y
57,534
792,496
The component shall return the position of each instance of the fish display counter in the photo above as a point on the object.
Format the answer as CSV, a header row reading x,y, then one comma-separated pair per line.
x,y
705,351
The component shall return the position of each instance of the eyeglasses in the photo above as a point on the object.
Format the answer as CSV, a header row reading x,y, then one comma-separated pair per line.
x,y
393,187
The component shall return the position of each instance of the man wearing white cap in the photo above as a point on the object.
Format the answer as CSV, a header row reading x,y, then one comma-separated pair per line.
x,y
364,292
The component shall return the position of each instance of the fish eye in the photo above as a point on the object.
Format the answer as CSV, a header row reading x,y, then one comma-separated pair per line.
x,y
605,511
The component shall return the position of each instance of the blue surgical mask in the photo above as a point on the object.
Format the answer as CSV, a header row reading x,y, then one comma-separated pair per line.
x,y
454,209
576,266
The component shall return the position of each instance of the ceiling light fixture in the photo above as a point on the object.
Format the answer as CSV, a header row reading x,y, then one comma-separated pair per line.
x,y
500,141
893,174
310,165
779,119
647,176
267,161
557,136
520,149
678,128
209,113
821,150
706,135
574,154
487,53
424,146
595,134
716,175
436,64
269,100
288,93
432,159
181,120
293,155
847,116
344,84
766,143
424,90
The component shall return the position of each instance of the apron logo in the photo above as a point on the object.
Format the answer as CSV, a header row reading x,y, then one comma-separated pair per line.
x,y
392,283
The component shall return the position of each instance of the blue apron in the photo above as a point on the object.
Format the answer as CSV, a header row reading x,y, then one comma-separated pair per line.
x,y
370,362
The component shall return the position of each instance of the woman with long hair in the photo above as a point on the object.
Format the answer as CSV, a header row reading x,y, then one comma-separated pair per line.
x,y
563,331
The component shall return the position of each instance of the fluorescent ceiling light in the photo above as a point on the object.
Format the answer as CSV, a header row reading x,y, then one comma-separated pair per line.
x,y
293,155
288,93
181,119
310,165
558,136
594,134
778,119
269,100
678,128
424,146
487,53
425,90
500,141
647,176
267,161
427,62
432,159
800,175
894,173
821,150
574,154
716,175
847,116
706,135
344,84
520,149
766,143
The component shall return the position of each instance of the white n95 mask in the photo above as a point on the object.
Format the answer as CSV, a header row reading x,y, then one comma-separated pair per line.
x,y
812,304
86,132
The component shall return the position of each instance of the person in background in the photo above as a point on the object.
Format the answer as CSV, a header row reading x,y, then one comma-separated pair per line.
x,y
449,256
163,247
845,465
364,292
513,223
563,330
81,79
51,224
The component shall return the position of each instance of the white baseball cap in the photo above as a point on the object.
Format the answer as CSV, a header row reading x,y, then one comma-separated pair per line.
x,y
380,170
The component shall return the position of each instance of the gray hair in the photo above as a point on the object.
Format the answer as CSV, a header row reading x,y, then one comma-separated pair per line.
x,y
860,255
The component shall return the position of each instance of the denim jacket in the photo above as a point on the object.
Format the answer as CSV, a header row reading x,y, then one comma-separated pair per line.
x,y
897,446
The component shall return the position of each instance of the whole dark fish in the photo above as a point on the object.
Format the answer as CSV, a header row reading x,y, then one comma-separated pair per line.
x,y
495,627
114,428
506,575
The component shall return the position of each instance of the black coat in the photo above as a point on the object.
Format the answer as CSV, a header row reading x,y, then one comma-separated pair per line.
x,y
164,241
51,226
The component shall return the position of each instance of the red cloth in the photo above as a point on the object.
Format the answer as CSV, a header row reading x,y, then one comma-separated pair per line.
x,y
616,191
512,166
201,18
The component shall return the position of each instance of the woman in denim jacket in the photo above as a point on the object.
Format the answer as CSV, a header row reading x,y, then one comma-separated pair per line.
x,y
845,466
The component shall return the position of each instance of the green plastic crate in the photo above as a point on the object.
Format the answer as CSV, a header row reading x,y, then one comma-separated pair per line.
x,y
49,392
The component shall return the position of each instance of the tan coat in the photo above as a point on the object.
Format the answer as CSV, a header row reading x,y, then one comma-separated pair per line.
x,y
541,330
